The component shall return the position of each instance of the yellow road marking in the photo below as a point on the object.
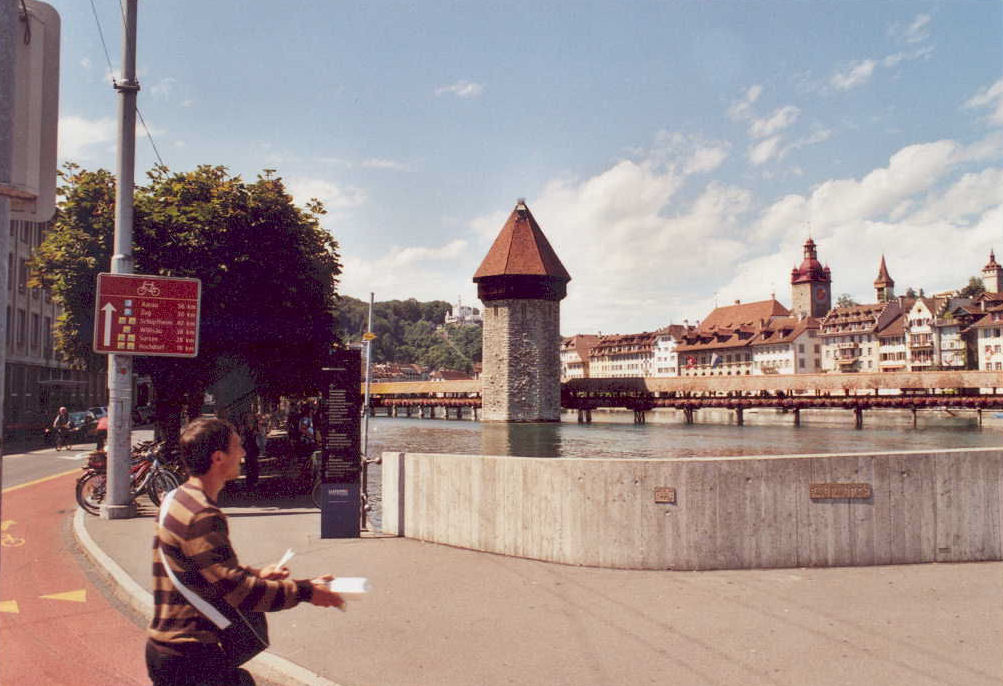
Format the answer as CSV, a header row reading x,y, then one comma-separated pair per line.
x,y
9,606
38,481
72,596
9,540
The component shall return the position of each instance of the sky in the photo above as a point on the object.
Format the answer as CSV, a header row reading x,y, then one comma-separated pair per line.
x,y
676,154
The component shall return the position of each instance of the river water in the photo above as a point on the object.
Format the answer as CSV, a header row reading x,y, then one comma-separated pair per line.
x,y
665,440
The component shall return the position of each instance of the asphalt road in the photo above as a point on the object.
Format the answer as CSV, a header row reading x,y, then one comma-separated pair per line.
x,y
23,467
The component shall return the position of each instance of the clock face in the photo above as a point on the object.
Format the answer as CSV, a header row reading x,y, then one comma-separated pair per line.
x,y
821,293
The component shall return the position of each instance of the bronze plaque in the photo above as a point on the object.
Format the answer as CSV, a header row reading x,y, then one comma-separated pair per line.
x,y
836,491
664,494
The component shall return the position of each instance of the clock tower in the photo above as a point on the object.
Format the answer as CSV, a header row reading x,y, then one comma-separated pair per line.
x,y
811,286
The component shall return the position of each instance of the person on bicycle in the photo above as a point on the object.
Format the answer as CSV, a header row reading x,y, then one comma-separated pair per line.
x,y
62,424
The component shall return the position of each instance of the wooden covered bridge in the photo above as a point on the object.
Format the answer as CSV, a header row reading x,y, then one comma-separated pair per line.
x,y
953,390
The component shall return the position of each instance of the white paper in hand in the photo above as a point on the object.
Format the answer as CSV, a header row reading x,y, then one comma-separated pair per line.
x,y
350,585
285,558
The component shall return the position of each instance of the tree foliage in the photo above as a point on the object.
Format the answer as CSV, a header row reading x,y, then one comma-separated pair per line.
x,y
268,271
409,331
974,289
845,300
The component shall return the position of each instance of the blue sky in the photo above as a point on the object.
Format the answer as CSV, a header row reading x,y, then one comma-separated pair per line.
x,y
675,153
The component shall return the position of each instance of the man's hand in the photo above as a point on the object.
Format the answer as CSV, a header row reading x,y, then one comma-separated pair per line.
x,y
323,596
273,573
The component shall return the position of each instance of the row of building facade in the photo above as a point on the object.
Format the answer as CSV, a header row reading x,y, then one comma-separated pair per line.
x,y
893,334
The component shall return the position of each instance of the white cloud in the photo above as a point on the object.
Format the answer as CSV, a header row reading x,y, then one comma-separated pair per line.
x,y
461,89
856,74
381,163
163,88
917,31
741,110
86,63
706,159
82,139
426,273
333,196
990,97
776,122
763,151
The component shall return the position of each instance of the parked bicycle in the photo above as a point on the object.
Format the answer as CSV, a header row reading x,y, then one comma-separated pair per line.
x,y
147,476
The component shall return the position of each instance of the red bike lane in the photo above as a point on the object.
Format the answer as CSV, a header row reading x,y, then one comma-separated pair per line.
x,y
56,626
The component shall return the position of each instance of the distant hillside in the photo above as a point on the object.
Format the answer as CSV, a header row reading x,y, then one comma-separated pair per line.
x,y
407,331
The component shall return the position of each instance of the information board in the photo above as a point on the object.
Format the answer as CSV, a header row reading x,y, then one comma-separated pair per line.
x,y
341,452
137,314
341,455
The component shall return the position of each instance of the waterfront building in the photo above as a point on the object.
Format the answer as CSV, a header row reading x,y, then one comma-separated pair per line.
x,y
722,344
521,283
622,355
884,285
575,356
382,372
811,285
956,345
992,275
989,341
850,336
665,351
892,351
922,337
787,345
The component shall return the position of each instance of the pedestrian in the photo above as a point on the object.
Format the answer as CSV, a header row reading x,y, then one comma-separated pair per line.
x,y
101,432
252,448
62,425
195,567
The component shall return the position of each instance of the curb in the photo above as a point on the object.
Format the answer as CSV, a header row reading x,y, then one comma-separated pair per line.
x,y
267,666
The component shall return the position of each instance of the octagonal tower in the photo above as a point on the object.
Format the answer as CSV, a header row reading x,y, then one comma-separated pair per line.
x,y
521,283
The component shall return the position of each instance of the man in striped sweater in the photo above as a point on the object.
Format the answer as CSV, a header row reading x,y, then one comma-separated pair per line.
x,y
183,646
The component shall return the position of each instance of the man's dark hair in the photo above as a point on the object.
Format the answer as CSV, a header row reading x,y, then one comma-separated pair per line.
x,y
200,439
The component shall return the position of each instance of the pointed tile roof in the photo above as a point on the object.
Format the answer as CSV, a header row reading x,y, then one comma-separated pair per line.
x,y
521,249
883,278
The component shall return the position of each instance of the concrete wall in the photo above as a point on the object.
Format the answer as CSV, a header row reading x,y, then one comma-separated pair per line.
x,y
730,513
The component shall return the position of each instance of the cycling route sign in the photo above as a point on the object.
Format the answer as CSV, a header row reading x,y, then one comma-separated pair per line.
x,y
137,314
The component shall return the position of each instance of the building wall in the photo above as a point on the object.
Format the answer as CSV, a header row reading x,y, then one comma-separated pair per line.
x,y
36,382
990,346
521,379
728,513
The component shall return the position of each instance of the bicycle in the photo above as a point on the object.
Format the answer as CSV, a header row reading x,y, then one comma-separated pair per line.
x,y
146,476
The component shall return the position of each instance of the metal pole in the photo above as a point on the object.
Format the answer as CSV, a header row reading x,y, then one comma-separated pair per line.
x,y
8,24
365,414
119,505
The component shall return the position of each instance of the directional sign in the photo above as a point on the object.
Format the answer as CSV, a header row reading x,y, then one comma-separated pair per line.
x,y
135,314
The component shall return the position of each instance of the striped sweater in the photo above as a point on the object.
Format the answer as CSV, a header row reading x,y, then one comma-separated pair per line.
x,y
196,542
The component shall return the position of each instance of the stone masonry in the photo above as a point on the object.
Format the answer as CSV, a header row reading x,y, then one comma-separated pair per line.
x,y
521,378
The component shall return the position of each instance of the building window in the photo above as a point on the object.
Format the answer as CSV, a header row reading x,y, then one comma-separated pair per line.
x,y
10,329
10,271
22,276
36,331
47,334
22,326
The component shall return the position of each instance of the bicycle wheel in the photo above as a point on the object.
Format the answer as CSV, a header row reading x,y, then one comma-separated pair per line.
x,y
91,489
317,494
161,482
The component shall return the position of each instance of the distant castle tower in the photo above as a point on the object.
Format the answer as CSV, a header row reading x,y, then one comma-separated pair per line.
x,y
521,283
811,285
992,275
884,285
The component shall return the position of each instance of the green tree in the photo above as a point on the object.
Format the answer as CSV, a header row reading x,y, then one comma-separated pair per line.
x,y
845,300
268,271
974,289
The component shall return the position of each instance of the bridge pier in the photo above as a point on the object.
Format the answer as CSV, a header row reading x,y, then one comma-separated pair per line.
x,y
914,416
584,416
639,417
688,414
858,417
979,411
797,416
740,416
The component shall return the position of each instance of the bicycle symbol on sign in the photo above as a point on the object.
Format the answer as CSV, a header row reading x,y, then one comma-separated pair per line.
x,y
148,288
9,540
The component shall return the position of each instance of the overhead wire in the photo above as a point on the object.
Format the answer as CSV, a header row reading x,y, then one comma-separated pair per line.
x,y
111,72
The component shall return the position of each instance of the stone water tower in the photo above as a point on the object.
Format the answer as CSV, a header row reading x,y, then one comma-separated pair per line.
x,y
521,283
